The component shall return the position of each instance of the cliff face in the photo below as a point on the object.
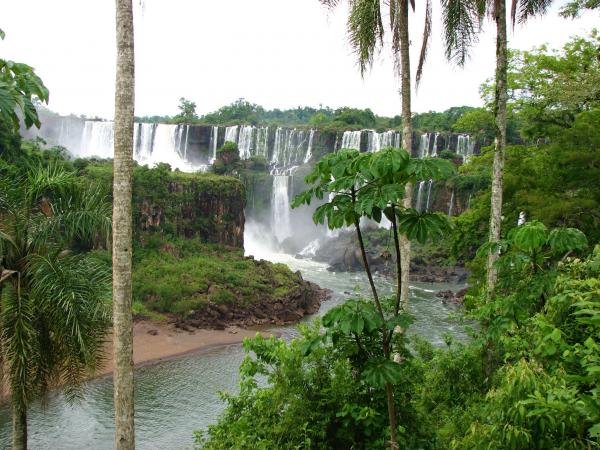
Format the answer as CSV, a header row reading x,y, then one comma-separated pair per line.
x,y
202,205
177,204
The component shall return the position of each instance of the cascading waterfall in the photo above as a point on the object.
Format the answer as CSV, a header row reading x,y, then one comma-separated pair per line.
x,y
97,140
244,142
152,143
373,141
435,144
214,138
351,139
427,206
308,155
465,147
280,207
424,145
451,205
231,134
418,203
262,142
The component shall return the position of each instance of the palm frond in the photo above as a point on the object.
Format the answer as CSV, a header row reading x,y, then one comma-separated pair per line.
x,y
425,41
524,9
19,342
330,3
365,30
71,291
49,181
462,21
83,216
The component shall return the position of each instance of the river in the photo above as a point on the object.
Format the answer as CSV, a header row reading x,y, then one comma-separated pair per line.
x,y
175,397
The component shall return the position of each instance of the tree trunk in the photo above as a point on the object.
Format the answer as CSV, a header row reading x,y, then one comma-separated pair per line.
x,y
19,431
406,137
500,100
122,233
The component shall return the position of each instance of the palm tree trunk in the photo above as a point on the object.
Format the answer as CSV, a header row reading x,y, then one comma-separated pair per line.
x,y
406,137
19,431
122,229
500,100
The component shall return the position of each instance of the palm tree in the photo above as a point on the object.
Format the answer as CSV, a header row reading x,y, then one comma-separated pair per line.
x,y
122,229
462,21
54,302
366,31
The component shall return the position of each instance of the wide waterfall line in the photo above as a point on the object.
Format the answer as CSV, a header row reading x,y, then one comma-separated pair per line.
x,y
152,143
375,141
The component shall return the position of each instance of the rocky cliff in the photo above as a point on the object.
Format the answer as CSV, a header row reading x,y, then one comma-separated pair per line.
x,y
179,204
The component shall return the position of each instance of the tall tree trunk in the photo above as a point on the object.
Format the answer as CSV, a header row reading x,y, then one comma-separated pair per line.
x,y
500,100
19,431
406,137
122,233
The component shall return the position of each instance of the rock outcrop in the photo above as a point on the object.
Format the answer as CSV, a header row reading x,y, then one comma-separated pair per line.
x,y
303,300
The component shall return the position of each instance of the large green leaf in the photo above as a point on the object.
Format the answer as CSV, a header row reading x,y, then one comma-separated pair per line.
x,y
562,240
380,371
530,237
422,226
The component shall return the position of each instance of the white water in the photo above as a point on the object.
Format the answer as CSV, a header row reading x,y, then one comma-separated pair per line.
x,y
280,207
175,397
214,138
465,147
351,140
152,144
451,206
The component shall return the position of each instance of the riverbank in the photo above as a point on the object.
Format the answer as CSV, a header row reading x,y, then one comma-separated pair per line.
x,y
159,341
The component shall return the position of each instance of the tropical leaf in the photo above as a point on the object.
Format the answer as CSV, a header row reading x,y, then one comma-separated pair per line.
x,y
380,371
422,226
562,240
530,237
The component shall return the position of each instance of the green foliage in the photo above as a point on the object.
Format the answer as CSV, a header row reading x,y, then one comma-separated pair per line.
x,y
20,88
187,111
372,185
170,202
441,121
182,276
54,294
549,88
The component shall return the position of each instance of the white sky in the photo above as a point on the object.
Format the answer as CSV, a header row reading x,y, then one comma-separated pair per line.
x,y
277,53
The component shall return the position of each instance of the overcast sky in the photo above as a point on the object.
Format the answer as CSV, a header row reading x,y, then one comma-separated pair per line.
x,y
278,53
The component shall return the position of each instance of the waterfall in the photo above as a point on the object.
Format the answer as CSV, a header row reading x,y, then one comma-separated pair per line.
x,y
390,139
424,145
291,148
152,143
464,147
280,207
245,141
351,139
429,195
451,205
418,203
143,138
308,155
231,134
373,141
97,140
262,142
214,137
434,149
522,218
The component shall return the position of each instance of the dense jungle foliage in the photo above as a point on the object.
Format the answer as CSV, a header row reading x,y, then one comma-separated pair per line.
x,y
528,378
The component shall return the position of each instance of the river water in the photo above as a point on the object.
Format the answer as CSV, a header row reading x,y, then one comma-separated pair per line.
x,y
173,398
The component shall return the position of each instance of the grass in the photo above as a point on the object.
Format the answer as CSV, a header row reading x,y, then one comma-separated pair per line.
x,y
183,276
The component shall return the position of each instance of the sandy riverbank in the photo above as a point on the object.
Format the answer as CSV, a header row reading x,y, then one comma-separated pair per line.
x,y
156,341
